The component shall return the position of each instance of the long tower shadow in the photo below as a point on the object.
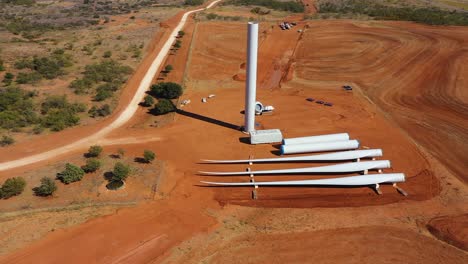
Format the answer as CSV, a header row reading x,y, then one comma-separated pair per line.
x,y
209,120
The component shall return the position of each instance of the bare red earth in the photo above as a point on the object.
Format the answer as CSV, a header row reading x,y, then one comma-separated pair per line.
x,y
451,229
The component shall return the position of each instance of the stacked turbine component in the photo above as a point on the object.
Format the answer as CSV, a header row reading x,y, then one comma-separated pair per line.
x,y
369,179
316,139
319,143
319,147
338,168
336,156
330,142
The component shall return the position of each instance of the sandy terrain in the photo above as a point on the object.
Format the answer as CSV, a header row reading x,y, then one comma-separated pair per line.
x,y
188,223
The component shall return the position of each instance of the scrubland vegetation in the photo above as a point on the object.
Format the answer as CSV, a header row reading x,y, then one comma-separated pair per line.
x,y
426,15
289,6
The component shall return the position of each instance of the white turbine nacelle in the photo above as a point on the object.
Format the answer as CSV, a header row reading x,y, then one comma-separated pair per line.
x,y
316,139
338,168
369,179
342,155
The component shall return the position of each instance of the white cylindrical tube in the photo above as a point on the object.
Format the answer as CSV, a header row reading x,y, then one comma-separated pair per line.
x,y
316,139
318,147
251,78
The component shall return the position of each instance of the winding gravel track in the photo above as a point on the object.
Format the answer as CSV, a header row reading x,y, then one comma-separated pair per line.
x,y
123,117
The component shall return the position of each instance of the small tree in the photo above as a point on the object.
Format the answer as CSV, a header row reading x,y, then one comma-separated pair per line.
x,y
168,68
148,156
168,90
92,165
177,44
12,187
72,173
148,101
120,172
163,106
181,33
94,151
46,188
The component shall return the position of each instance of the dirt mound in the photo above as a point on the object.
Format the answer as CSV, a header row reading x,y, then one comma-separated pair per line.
x,y
451,229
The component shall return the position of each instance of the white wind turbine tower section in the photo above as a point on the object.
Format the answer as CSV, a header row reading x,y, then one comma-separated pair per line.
x,y
251,80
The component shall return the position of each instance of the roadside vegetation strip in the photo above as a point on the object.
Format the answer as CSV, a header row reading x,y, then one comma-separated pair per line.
x,y
6,216
290,6
124,116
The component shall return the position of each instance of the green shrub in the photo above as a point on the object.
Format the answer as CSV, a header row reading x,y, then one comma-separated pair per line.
x,y
8,78
194,2
109,71
167,90
38,129
12,187
163,106
148,156
48,67
6,141
2,67
181,33
72,173
120,172
94,151
289,6
28,77
101,111
81,86
102,94
211,16
168,68
59,119
47,187
92,165
148,101
431,16
24,63
16,108
107,54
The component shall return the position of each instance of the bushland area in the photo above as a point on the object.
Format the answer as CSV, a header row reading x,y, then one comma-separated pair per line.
x,y
432,14
63,63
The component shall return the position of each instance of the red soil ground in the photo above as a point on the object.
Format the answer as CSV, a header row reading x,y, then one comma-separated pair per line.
x,y
187,212
375,244
451,229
